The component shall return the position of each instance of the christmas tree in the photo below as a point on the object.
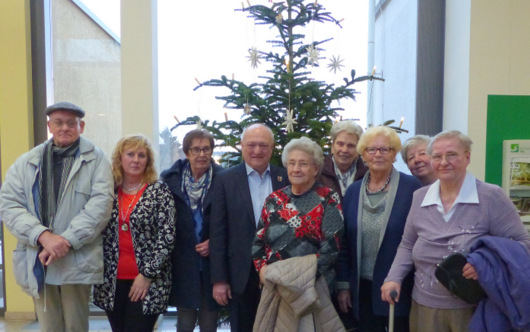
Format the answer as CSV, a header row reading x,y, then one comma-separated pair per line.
x,y
287,99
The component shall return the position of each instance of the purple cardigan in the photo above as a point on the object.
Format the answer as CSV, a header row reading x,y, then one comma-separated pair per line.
x,y
427,239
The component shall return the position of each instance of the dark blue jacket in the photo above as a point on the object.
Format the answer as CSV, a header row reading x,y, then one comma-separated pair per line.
x,y
503,269
186,277
347,263
233,225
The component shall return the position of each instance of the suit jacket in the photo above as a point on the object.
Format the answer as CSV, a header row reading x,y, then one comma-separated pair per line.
x,y
233,226
186,263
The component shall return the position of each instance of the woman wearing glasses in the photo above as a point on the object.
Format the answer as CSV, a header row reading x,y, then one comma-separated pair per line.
x,y
299,232
452,215
375,210
190,181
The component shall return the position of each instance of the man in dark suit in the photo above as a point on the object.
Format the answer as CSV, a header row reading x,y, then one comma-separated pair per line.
x,y
239,195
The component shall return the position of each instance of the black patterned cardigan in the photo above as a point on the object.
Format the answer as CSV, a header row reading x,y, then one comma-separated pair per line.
x,y
152,224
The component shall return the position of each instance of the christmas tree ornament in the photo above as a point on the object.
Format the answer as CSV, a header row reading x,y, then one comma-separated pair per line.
x,y
336,64
254,57
247,109
279,18
289,121
313,54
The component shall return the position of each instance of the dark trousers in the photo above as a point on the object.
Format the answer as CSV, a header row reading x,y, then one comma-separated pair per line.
x,y
368,322
187,318
243,307
128,316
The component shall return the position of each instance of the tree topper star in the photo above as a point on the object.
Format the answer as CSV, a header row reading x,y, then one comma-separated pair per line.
x,y
313,54
289,121
253,57
336,63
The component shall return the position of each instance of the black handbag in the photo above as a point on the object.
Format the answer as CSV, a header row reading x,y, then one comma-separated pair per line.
x,y
449,273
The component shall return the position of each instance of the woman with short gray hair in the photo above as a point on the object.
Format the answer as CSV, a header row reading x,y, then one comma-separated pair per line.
x,y
302,219
344,165
414,153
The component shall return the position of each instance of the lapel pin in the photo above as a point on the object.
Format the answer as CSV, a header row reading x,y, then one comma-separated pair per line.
x,y
280,179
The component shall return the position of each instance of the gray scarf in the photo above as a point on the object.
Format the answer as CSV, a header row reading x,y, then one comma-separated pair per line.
x,y
56,165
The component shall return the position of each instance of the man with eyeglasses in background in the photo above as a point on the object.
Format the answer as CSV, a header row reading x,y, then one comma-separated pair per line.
x,y
239,194
56,199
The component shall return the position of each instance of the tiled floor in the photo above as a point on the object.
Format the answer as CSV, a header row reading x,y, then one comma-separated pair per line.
x,y
97,324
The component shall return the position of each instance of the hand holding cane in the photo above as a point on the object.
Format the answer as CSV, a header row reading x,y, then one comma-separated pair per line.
x,y
393,295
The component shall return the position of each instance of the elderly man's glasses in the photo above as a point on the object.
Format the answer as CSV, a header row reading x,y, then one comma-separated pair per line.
x,y
69,123
383,150
449,157
196,151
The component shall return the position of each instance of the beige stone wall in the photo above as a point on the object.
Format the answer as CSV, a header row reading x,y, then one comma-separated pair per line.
x,y
87,71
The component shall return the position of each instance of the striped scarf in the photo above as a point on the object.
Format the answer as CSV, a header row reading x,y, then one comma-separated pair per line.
x,y
56,165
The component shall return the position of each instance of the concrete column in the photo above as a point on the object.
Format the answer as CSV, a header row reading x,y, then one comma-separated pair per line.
x,y
139,67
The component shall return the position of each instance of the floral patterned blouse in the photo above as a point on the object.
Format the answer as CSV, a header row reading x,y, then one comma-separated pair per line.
x,y
152,226
298,225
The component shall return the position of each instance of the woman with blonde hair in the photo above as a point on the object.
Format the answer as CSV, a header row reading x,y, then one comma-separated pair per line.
x,y
137,241
375,210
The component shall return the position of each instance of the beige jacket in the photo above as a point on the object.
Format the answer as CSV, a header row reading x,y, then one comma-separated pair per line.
x,y
291,299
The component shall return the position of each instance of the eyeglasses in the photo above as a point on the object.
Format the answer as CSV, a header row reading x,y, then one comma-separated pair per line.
x,y
301,164
383,150
69,123
196,151
449,157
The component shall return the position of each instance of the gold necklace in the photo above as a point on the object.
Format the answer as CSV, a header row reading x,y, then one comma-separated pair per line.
x,y
124,226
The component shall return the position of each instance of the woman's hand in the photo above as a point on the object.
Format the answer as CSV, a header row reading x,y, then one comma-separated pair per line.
x,y
139,288
262,274
469,272
344,299
203,248
386,290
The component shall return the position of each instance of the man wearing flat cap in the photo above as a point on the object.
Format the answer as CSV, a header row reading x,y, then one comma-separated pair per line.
x,y
56,199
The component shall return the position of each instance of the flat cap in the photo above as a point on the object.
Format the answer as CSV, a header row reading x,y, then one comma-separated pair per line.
x,y
65,106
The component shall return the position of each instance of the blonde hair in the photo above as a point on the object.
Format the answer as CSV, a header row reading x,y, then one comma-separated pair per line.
x,y
372,133
133,142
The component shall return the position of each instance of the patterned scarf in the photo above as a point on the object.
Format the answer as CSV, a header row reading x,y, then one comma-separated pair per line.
x,y
347,178
196,191
56,165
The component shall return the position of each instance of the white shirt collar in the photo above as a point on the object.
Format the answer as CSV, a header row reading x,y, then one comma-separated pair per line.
x,y
468,193
250,170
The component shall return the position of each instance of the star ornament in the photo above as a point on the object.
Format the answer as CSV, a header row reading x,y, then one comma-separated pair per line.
x,y
289,121
335,64
254,57
313,54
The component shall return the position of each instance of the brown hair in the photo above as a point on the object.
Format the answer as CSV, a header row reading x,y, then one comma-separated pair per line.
x,y
196,134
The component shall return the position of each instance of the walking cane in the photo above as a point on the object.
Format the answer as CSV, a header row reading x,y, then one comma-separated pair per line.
x,y
393,295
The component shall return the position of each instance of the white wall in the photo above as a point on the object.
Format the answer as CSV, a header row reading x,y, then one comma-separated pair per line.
x,y
499,53
395,59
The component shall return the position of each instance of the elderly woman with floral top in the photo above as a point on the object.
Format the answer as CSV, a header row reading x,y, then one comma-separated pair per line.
x,y
301,219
